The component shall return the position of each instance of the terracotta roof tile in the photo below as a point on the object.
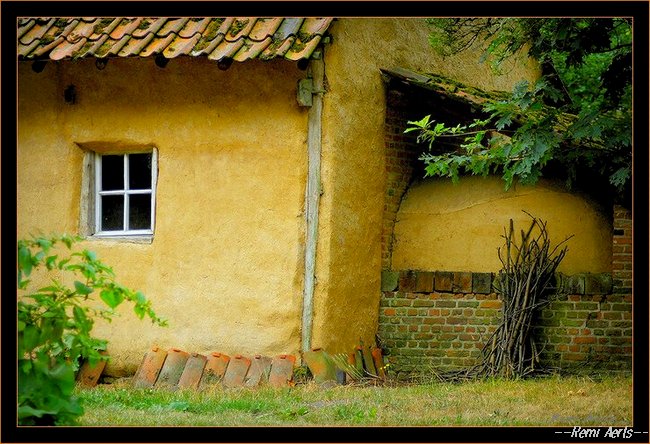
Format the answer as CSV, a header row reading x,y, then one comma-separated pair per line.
x,y
240,38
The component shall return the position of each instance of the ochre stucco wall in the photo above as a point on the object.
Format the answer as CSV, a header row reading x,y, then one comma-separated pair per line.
x,y
459,227
226,263
349,245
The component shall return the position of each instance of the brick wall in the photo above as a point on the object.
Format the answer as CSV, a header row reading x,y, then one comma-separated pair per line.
x,y
622,250
401,158
442,319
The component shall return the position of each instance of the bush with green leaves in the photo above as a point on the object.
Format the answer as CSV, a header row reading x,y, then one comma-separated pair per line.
x,y
575,122
55,323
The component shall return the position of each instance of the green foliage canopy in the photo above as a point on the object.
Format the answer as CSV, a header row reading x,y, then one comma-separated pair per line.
x,y
576,118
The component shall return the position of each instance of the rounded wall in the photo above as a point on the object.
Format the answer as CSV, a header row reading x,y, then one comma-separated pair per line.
x,y
226,262
459,227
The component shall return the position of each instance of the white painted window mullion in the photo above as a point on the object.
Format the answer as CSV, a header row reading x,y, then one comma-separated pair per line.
x,y
98,195
154,180
125,224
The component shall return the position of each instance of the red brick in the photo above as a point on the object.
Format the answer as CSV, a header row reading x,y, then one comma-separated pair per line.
x,y
575,356
443,281
463,282
389,311
490,304
584,340
424,282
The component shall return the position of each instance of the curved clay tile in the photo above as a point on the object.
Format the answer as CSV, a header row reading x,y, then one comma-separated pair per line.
x,y
171,27
187,38
316,25
240,27
148,26
301,50
103,27
226,49
167,33
264,28
277,48
213,35
251,49
59,37
24,26
193,27
289,27
36,33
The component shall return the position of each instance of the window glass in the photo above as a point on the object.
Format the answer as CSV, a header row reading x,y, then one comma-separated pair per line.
x,y
112,213
140,171
112,173
140,211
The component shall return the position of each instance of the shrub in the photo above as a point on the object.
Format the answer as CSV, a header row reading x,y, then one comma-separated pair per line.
x,y
55,323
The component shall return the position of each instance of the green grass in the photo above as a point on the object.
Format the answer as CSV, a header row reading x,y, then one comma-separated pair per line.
x,y
552,401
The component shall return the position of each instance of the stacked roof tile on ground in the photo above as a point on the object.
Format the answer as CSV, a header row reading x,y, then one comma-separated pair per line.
x,y
238,38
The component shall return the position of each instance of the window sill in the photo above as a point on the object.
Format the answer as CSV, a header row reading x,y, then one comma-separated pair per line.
x,y
139,239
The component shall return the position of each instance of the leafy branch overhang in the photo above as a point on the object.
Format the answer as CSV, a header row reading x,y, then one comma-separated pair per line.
x,y
470,101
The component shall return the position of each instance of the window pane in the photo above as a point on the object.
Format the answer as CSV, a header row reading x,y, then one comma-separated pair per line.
x,y
112,213
112,173
140,212
140,171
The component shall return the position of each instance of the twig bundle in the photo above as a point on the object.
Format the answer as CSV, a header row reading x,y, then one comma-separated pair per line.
x,y
525,283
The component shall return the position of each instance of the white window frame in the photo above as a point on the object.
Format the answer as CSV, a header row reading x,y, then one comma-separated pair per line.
x,y
126,193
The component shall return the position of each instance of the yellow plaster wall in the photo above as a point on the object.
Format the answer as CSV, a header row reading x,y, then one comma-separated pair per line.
x,y
458,227
225,266
349,245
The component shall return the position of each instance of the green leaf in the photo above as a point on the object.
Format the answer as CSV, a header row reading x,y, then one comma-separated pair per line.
x,y
620,177
26,411
50,262
67,240
49,289
139,311
30,337
45,244
24,260
25,365
111,298
82,288
90,255
80,317
140,298
63,374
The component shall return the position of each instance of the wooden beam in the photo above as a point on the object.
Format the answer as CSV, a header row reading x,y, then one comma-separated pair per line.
x,y
312,198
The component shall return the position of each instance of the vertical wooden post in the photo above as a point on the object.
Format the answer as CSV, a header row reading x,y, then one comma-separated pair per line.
x,y
312,197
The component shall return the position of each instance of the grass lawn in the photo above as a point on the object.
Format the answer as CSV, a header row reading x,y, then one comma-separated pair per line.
x,y
550,401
